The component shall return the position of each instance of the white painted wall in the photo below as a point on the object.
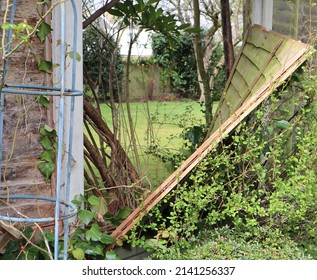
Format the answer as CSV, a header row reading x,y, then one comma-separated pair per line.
x,y
262,13
77,173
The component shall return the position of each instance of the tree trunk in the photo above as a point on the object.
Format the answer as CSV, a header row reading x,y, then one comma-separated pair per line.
x,y
122,160
200,64
246,16
227,36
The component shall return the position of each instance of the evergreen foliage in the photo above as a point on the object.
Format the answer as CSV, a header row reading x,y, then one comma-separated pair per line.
x,y
178,63
102,59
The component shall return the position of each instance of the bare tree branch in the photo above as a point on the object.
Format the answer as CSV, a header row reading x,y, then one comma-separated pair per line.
x,y
99,12
227,36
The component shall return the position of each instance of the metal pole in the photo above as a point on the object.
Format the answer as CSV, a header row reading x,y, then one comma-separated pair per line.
x,y
60,131
71,128
62,92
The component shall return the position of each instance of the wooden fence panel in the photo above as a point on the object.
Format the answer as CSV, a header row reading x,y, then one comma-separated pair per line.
x,y
294,57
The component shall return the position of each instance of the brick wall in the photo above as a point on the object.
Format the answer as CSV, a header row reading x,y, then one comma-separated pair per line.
x,y
22,119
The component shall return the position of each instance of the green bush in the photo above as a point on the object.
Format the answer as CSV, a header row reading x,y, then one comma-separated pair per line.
x,y
178,64
262,176
101,55
232,244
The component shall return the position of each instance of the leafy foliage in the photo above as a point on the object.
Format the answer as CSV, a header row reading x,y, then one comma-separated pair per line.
x,y
178,63
19,31
101,57
47,157
147,16
23,249
231,243
89,241
262,178
219,78
191,136
43,30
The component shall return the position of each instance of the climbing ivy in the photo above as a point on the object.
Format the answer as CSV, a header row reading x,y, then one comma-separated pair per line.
x,y
90,238
48,141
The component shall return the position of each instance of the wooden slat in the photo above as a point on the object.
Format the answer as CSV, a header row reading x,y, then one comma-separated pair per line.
x,y
245,109
237,84
261,81
236,79
245,67
253,78
256,55
258,75
263,39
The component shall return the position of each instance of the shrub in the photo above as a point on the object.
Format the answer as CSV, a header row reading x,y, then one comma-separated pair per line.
x,y
226,243
261,177
178,64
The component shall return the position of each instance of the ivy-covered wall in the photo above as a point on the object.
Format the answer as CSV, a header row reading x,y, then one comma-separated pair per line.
x,y
24,116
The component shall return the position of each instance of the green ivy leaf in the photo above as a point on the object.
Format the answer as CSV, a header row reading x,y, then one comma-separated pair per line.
x,y
48,156
123,213
46,142
71,55
12,246
50,237
44,101
91,250
49,129
78,254
47,168
43,30
45,66
107,239
98,204
86,216
93,233
94,200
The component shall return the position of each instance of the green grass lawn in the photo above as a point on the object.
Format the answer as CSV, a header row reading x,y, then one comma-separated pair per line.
x,y
159,122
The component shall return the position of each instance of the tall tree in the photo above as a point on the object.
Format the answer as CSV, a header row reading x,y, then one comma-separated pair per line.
x,y
200,62
227,36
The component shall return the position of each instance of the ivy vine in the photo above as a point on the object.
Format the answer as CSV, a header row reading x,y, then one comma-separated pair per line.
x,y
47,157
